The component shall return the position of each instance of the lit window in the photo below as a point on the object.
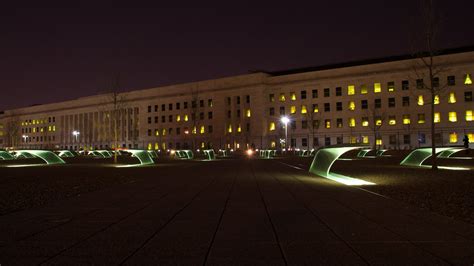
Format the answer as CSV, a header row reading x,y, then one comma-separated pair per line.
x,y
352,122
469,115
420,100
350,90
282,97
272,126
229,128
149,146
163,132
54,128
157,132
365,121
365,139
49,128
34,130
239,128
315,108
185,117
157,147
327,123
467,80
273,144
437,118
303,109
378,121
453,137
202,131
421,118
363,89
293,109
178,118
378,142
248,113
452,97
352,106
392,121
353,140
471,137
391,86
453,117
406,119
377,87
293,96
436,99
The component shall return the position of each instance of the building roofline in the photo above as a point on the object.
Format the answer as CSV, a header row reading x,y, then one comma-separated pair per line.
x,y
369,61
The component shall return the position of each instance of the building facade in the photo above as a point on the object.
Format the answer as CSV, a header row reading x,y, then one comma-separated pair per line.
x,y
383,102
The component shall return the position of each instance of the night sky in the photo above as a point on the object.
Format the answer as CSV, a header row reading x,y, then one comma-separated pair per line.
x,y
54,54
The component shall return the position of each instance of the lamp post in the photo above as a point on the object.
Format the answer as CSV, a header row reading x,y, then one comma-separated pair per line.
x,y
25,137
76,134
285,120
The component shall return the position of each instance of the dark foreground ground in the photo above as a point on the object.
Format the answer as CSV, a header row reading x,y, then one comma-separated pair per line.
x,y
228,212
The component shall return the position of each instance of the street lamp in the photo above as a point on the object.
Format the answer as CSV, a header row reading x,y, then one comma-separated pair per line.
x,y
285,120
25,137
76,134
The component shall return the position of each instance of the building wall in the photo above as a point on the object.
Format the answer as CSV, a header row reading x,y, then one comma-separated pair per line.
x,y
235,112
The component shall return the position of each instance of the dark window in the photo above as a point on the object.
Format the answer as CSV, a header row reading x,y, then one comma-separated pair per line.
x,y
170,118
238,113
149,108
339,122
406,139
338,91
149,132
304,124
339,106
282,110
178,131
436,82
156,108
391,102
364,104
238,99
451,80
271,97
314,93
390,86
327,141
163,107
247,98
392,139
378,103
193,104
163,119
406,101
421,138
293,124
326,92
210,129
420,84
304,142
185,105
229,113
339,140
209,115
201,103
178,106
170,106
303,95
209,103
468,96
156,119
228,100
149,119
272,111
315,141
201,116
327,107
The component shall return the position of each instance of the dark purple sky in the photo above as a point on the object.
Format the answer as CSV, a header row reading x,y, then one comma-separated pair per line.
x,y
53,54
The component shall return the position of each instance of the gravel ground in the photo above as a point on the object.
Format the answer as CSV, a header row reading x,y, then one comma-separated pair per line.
x,y
447,192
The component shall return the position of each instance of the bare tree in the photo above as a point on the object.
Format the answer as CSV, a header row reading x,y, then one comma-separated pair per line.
x,y
12,130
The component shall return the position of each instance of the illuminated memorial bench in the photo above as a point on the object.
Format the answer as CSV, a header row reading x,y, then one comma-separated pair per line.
x,y
210,154
450,152
184,154
4,155
363,152
267,154
325,158
48,156
65,154
418,156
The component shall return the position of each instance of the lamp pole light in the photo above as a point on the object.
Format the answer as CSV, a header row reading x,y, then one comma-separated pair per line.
x,y
25,137
285,120
76,134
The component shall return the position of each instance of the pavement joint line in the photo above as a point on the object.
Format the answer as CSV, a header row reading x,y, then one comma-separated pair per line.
x,y
275,234
381,225
315,215
220,219
99,231
153,235
292,166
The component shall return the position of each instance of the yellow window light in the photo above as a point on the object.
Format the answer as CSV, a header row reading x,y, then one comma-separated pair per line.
x,y
194,131
363,89
378,142
178,118
406,119
54,128
452,97
327,124
421,118
50,128
157,146
467,80
392,121
350,90
293,109
437,117
149,146
272,126
453,117
352,106
420,100
163,132
453,137
273,144
282,97
157,132
436,99
202,130
378,121
229,128
365,139
315,108
186,118
353,140
352,122
377,87
303,109
365,122
248,113
471,137
239,128
293,96
469,115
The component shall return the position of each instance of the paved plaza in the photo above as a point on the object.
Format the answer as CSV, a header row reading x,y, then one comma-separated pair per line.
x,y
231,212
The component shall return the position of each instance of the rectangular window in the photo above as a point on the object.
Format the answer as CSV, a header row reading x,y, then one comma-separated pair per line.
x,y
436,82
271,111
271,97
365,121
453,117
149,108
338,91
314,93
405,101
421,138
391,102
293,124
229,102
406,139
351,106
352,122
304,124
364,104
327,107
453,137
282,110
327,123
451,80
170,107
315,141
248,113
304,142
468,96
363,89
339,106
420,100
326,92
405,85
247,98
149,120
452,97
467,79
303,95
420,84
303,109
377,87
293,109
392,139
339,122
209,115
209,103
378,103
163,107
391,86
469,115
437,117
315,108
293,96
406,119
238,113
282,97
421,118
327,141
350,90
392,120
185,105
237,99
